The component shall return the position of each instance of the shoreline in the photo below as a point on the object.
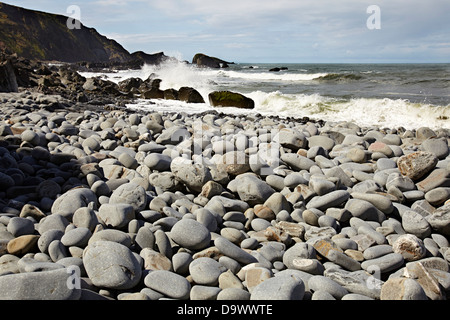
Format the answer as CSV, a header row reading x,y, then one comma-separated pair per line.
x,y
240,207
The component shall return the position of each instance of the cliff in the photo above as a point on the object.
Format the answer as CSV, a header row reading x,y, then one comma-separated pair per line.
x,y
43,36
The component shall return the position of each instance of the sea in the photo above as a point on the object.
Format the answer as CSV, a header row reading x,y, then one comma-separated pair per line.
x,y
371,95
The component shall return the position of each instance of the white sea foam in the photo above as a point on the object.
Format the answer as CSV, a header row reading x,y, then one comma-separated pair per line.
x,y
273,76
363,111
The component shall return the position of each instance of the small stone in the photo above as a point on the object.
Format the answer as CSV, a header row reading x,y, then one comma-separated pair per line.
x,y
69,202
199,292
384,263
159,162
131,194
228,279
20,226
111,265
29,210
169,284
291,138
229,249
381,147
437,178
234,163
211,189
377,251
440,220
44,285
57,251
251,189
181,262
23,244
190,234
438,196
233,294
356,155
154,260
85,218
78,237
264,212
116,215
298,251
439,147
256,275
320,282
414,223
417,164
279,288
205,271
402,289
410,247
193,175
332,199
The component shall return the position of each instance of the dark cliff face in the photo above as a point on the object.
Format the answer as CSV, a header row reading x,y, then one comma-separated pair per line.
x,y
43,36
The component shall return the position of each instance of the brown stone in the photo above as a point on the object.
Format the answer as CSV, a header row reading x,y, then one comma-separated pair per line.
x,y
417,164
23,244
264,212
211,189
29,210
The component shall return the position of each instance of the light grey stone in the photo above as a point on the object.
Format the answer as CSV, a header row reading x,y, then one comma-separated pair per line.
x,y
233,251
44,285
169,284
332,199
279,288
111,265
322,283
70,201
130,193
190,234
206,271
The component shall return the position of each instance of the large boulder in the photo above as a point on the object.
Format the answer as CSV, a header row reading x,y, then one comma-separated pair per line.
x,y
202,60
190,95
230,99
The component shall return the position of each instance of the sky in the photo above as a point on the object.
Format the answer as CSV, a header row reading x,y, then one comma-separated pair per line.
x,y
270,31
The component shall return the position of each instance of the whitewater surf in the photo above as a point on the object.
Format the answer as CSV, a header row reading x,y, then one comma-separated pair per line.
x,y
386,95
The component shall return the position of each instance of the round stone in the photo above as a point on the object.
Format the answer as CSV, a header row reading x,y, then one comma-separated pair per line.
x,y
73,199
190,234
169,284
410,247
231,250
319,282
414,223
111,265
20,226
205,271
78,237
279,288
132,194
116,215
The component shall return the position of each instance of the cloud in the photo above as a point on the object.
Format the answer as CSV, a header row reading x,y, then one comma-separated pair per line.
x,y
261,29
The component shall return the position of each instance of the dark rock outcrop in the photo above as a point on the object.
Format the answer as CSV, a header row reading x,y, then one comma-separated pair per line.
x,y
202,60
43,36
190,95
8,81
230,99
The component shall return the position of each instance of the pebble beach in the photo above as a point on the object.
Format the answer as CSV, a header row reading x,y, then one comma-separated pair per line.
x,y
99,203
